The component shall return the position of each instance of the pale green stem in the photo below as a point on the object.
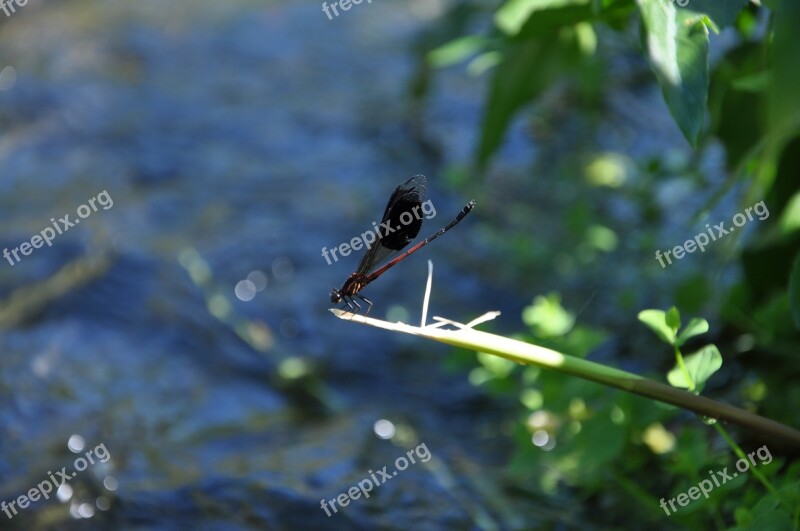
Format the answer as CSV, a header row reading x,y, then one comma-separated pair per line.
x,y
682,365
528,354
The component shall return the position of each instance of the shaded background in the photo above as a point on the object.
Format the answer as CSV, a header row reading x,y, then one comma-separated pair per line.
x,y
186,327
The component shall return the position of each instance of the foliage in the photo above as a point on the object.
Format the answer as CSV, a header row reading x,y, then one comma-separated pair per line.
x,y
573,432
729,74
534,43
690,372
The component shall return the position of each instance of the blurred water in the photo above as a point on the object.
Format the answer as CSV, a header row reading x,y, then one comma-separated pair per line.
x,y
233,138
186,327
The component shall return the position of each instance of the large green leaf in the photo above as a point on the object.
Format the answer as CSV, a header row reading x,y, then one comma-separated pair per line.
x,y
676,39
535,18
513,14
528,67
456,51
515,82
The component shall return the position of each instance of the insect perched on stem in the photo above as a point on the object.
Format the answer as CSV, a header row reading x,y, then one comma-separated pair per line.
x,y
404,203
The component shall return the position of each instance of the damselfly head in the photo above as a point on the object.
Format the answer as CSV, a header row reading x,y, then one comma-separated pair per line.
x,y
336,296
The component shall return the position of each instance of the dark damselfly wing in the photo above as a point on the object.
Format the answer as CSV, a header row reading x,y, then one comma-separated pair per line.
x,y
406,203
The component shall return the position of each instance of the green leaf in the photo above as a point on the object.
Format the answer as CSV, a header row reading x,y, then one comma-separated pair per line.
x,y
514,14
695,327
497,366
656,321
701,365
547,317
455,51
673,319
794,291
510,17
599,443
527,68
769,514
677,47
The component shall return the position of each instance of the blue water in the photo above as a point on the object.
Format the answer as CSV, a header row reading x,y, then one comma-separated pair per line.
x,y
236,139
